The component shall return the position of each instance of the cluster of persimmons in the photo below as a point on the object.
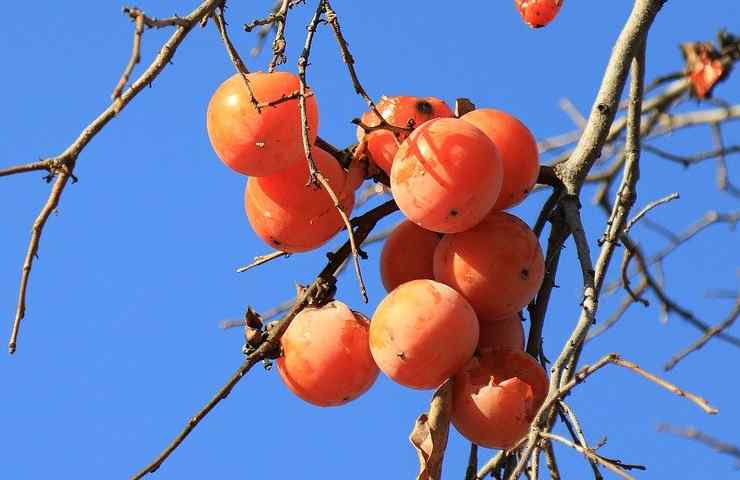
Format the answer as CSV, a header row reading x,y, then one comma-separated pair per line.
x,y
458,269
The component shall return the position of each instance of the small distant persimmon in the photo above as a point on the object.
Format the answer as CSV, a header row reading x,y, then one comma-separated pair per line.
x,y
259,143
326,359
538,13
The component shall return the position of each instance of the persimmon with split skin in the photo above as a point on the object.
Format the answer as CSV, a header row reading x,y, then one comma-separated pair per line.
x,y
538,13
422,333
407,255
517,149
400,111
292,216
496,396
326,359
497,265
446,176
259,143
502,332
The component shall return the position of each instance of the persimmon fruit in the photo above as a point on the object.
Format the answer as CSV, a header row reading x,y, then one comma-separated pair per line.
x,y
497,265
326,359
517,149
538,13
422,333
292,216
400,111
496,396
259,143
407,255
446,176
503,332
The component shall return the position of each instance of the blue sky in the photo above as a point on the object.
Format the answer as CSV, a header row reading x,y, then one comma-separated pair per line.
x,y
136,270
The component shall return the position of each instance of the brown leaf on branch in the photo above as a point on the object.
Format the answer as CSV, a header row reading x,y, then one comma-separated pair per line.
x,y
703,67
429,436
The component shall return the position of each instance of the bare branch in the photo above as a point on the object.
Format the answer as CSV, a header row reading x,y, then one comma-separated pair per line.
x,y
688,160
262,259
648,207
694,434
317,292
138,16
590,455
64,163
331,17
470,472
33,247
711,333
618,313
49,165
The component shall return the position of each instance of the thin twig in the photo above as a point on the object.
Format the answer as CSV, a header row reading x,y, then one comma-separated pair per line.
x,y
470,472
711,333
135,53
33,247
262,259
648,207
314,174
241,68
574,427
723,178
688,160
694,434
590,454
278,44
333,20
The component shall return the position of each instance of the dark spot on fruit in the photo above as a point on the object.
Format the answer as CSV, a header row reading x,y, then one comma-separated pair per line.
x,y
346,399
422,106
525,274
453,212
401,355
275,241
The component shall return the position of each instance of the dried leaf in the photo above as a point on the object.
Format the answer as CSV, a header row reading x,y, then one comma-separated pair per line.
x,y
703,67
429,436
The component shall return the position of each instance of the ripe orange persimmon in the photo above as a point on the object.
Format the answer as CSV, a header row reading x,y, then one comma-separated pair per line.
x,y
326,360
496,395
517,149
422,333
502,332
265,142
401,111
538,13
292,216
446,175
498,265
407,255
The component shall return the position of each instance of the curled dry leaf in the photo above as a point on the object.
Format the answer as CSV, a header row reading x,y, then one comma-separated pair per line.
x,y
703,67
429,436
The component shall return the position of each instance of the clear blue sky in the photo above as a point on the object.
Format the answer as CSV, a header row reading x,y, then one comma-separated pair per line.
x,y
121,341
